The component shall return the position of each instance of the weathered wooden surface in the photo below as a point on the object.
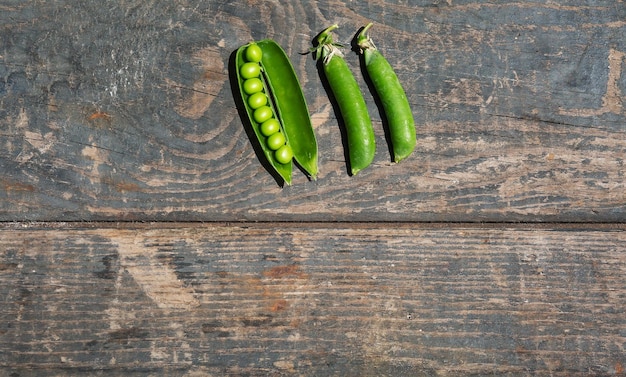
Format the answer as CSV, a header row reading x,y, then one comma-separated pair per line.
x,y
123,110
312,300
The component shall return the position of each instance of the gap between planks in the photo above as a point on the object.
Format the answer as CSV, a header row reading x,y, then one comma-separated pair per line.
x,y
76,225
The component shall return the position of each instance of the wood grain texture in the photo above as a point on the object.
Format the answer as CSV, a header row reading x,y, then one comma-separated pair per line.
x,y
312,300
124,111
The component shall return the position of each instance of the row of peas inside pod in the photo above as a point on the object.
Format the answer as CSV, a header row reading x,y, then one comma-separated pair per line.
x,y
259,102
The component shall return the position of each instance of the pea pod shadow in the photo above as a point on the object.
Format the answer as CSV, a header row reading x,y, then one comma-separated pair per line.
x,y
247,125
335,105
370,86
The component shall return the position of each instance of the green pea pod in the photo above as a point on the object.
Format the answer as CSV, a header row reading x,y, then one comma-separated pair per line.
x,y
352,106
292,107
287,104
392,96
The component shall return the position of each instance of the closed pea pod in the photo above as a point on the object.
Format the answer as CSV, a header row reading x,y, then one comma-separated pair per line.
x,y
397,110
359,132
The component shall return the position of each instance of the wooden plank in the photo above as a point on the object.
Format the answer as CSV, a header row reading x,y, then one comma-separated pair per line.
x,y
312,299
125,112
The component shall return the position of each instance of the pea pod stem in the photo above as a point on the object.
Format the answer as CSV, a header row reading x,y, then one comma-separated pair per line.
x,y
396,107
352,107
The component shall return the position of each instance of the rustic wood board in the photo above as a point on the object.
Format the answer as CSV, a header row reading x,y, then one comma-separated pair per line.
x,y
124,111
312,299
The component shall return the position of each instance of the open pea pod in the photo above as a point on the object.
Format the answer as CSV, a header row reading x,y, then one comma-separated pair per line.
x,y
284,169
288,105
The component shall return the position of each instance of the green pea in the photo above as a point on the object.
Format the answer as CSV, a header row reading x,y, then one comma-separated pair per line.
x,y
396,108
262,114
254,85
352,106
250,70
270,127
284,154
276,141
257,100
254,53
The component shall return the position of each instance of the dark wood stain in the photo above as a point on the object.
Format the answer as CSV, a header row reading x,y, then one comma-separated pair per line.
x,y
127,335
